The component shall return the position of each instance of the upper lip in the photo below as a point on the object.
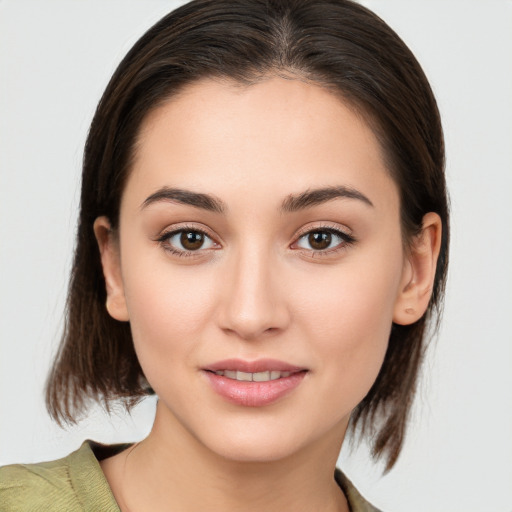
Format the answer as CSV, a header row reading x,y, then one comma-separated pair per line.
x,y
260,365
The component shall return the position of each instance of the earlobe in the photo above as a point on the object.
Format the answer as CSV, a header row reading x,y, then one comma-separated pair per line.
x,y
419,272
111,263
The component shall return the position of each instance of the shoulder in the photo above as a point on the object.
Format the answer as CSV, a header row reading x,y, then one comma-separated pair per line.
x,y
72,483
356,502
37,487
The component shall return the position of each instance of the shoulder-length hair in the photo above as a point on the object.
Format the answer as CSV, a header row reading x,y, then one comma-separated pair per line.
x,y
335,43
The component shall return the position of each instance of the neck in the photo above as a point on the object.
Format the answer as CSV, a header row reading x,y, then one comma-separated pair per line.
x,y
171,467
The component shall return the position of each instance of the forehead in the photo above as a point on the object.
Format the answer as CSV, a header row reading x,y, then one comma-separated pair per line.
x,y
278,135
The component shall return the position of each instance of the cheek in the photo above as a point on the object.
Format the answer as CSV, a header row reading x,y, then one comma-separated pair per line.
x,y
167,308
348,314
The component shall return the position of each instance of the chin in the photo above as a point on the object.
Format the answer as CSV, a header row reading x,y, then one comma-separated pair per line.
x,y
267,441
255,450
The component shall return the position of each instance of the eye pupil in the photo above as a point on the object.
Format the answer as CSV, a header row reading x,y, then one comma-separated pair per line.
x,y
191,240
320,239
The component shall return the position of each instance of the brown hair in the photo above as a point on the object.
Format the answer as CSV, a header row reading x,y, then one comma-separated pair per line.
x,y
335,43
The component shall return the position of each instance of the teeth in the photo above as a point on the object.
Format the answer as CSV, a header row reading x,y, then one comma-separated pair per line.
x,y
252,377
261,377
244,376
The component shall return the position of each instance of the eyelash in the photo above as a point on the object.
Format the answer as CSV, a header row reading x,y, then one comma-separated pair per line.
x,y
165,237
346,241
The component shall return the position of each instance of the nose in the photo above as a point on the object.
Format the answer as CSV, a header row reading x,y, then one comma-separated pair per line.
x,y
253,304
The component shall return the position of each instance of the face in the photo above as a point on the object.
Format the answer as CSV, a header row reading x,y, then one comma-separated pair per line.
x,y
260,264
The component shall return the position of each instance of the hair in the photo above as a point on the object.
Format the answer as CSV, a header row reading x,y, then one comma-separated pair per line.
x,y
336,44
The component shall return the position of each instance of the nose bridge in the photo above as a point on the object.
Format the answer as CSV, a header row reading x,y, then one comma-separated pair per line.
x,y
253,303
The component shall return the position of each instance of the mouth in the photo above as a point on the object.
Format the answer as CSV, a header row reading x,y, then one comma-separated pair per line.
x,y
261,366
254,383
252,377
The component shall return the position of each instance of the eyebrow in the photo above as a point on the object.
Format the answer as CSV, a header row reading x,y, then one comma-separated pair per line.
x,y
309,198
178,195
292,203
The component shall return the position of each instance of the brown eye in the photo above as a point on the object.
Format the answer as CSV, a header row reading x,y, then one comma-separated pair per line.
x,y
184,241
191,240
324,240
319,240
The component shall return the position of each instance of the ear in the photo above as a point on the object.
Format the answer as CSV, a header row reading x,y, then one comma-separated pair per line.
x,y
111,263
419,272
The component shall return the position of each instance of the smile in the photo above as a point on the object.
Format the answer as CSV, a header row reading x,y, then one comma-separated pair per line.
x,y
252,377
254,383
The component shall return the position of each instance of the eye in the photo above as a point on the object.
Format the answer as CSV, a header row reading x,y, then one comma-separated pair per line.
x,y
324,240
186,240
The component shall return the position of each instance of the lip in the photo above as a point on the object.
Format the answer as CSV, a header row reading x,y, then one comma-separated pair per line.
x,y
260,365
254,394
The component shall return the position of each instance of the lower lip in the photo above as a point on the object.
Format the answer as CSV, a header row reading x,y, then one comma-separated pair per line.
x,y
254,394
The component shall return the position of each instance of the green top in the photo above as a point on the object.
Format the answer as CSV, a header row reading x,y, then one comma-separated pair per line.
x,y
77,483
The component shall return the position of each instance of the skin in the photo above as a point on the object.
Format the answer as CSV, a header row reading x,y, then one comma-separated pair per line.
x,y
256,289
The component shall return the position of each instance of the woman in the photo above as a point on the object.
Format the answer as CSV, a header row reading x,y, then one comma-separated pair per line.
x,y
262,242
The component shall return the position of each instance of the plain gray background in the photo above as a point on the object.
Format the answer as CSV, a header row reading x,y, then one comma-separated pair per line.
x,y
55,60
